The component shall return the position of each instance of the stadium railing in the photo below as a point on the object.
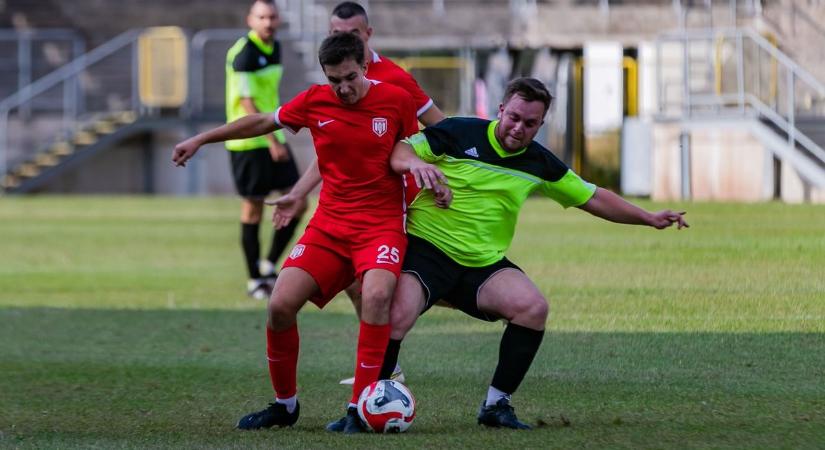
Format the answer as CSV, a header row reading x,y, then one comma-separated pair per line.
x,y
767,85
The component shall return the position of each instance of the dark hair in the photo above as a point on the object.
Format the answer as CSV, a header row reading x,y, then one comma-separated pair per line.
x,y
339,47
345,10
529,89
265,2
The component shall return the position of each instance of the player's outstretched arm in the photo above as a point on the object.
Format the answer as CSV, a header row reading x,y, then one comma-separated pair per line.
x,y
245,127
277,151
609,206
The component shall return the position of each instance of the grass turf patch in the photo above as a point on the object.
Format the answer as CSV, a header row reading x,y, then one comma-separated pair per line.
x,y
123,323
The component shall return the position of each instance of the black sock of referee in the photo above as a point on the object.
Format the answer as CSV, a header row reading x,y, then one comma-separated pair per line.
x,y
390,359
516,352
251,248
280,239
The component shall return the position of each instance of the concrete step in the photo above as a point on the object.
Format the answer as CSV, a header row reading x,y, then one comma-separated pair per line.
x,y
28,170
84,138
62,148
47,160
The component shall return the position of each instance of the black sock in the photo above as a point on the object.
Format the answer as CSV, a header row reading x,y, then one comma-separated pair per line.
x,y
251,248
516,352
390,359
281,238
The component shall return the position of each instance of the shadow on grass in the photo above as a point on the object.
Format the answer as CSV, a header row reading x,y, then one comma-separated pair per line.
x,y
75,378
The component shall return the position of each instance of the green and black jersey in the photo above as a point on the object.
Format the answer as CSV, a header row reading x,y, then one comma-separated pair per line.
x,y
253,70
489,187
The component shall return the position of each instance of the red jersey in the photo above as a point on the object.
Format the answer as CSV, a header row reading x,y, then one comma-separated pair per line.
x,y
354,144
384,70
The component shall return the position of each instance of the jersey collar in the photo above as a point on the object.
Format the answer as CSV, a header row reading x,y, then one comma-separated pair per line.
x,y
262,46
491,136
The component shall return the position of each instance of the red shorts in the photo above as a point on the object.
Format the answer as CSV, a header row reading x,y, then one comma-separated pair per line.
x,y
334,256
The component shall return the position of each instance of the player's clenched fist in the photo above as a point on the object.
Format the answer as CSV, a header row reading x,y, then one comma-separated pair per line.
x,y
184,151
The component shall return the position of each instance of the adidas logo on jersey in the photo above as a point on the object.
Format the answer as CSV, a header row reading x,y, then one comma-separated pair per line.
x,y
472,152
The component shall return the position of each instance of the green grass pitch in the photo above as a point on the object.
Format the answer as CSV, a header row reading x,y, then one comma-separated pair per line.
x,y
124,324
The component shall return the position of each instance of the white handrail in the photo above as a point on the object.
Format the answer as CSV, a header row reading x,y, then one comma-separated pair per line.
x,y
743,101
62,75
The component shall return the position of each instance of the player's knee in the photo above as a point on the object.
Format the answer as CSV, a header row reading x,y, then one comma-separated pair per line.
x,y
402,318
252,211
533,309
539,309
377,295
250,218
279,311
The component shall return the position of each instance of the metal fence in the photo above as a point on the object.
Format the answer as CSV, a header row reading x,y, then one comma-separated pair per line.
x,y
734,72
101,81
26,55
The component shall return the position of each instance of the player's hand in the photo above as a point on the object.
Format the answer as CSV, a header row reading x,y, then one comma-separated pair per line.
x,y
443,196
184,151
427,175
286,209
278,152
666,218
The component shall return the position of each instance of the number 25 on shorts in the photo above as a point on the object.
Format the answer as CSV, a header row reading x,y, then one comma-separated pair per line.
x,y
387,255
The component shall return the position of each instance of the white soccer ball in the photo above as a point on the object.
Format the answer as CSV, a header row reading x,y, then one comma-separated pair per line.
x,y
387,406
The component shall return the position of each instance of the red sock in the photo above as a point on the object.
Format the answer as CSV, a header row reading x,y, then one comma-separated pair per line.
x,y
282,354
372,343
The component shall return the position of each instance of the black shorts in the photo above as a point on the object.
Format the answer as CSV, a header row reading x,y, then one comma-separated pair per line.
x,y
256,174
445,279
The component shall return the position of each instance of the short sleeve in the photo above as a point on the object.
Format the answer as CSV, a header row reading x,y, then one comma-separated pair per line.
x,y
244,61
421,100
421,147
409,119
293,114
276,53
433,142
569,190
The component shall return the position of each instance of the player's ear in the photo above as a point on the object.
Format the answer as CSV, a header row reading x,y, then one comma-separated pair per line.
x,y
369,33
500,110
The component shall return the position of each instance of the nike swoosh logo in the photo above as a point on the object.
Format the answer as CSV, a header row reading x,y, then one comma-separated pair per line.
x,y
321,124
364,366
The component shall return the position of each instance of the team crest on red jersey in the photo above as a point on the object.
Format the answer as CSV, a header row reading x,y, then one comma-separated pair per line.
x,y
379,126
297,251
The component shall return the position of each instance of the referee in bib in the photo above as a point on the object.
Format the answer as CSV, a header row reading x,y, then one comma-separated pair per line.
x,y
261,164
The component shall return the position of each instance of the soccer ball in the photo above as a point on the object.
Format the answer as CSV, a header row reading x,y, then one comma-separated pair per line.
x,y
386,406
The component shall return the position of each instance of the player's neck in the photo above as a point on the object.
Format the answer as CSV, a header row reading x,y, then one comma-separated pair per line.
x,y
268,42
497,134
367,59
367,87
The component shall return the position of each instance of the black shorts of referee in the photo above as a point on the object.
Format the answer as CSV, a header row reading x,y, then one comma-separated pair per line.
x,y
256,174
